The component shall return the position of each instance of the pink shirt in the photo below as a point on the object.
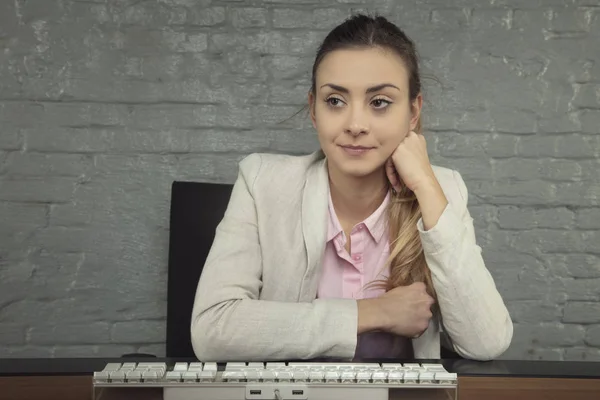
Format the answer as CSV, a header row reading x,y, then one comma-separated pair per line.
x,y
347,275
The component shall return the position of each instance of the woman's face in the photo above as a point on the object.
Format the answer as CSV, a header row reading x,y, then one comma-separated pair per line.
x,y
361,108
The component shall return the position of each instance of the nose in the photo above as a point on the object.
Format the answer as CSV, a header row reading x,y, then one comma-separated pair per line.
x,y
357,123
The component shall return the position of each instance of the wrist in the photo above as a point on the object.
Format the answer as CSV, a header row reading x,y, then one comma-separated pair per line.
x,y
370,315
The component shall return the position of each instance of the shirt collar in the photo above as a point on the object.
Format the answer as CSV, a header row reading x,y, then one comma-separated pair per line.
x,y
376,223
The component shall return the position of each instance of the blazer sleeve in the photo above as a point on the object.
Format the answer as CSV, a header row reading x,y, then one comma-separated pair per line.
x,y
230,322
474,316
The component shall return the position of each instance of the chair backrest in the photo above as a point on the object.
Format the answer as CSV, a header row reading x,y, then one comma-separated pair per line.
x,y
196,210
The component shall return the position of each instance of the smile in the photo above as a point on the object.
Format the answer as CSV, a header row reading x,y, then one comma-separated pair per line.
x,y
356,150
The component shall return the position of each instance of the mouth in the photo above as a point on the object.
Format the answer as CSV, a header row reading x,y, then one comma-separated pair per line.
x,y
356,150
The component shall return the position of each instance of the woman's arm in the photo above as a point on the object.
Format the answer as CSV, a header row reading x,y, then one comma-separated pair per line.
x,y
473,313
229,322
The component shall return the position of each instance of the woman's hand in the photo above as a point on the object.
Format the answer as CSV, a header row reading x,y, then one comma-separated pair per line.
x,y
410,164
404,311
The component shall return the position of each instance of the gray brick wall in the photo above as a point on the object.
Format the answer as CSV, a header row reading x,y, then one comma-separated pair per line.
x,y
104,103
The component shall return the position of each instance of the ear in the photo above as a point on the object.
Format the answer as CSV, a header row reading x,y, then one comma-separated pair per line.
x,y
311,108
415,110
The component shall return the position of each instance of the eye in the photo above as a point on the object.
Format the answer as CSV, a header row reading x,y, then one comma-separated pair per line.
x,y
381,103
334,102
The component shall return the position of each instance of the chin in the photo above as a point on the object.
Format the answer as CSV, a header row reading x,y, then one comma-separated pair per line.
x,y
358,169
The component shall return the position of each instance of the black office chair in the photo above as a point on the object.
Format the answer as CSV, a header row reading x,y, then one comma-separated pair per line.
x,y
196,210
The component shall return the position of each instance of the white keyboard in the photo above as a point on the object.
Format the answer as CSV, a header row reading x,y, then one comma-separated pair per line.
x,y
279,380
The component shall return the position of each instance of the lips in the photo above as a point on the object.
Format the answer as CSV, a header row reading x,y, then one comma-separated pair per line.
x,y
356,150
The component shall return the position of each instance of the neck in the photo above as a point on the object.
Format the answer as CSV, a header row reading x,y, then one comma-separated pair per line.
x,y
354,199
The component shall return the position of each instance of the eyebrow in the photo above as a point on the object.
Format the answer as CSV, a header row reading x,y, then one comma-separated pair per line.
x,y
369,90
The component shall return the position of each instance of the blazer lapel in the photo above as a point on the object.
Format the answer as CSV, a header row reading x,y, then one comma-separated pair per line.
x,y
314,223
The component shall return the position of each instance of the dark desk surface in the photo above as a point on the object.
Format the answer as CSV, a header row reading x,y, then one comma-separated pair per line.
x,y
499,368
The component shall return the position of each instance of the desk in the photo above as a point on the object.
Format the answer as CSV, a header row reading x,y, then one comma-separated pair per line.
x,y
71,379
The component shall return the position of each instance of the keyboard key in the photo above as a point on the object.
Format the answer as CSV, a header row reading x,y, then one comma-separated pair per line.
x,y
182,367
101,376
112,367
300,376
268,376
380,376
316,375
411,377
209,366
284,376
235,366
257,365
117,376
189,376
207,376
426,377
332,376
252,375
174,376
348,376
150,375
363,377
134,376
395,376
446,378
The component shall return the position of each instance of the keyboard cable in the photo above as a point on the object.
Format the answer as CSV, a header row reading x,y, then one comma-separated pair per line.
x,y
277,394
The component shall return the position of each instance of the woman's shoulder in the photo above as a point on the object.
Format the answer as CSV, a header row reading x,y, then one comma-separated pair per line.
x,y
279,169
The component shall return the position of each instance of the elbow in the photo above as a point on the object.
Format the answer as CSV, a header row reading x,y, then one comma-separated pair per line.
x,y
491,346
211,334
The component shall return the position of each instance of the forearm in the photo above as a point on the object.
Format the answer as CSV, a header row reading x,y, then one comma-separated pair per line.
x,y
370,317
259,330
432,202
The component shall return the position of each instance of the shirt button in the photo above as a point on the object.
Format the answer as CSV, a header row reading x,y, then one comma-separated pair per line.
x,y
360,227
357,258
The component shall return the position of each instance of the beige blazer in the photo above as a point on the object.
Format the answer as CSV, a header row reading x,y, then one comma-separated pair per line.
x,y
256,298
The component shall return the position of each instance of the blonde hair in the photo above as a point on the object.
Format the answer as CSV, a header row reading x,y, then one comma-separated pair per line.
x,y
406,262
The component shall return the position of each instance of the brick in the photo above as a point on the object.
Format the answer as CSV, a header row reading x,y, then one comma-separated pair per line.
x,y
37,164
206,16
11,139
38,190
450,18
578,193
587,96
582,313
514,121
26,351
582,289
246,17
592,336
473,170
319,19
502,145
559,335
590,120
90,333
517,169
476,121
492,18
290,93
582,354
274,42
588,218
158,350
568,20
550,240
533,311
511,217
139,331
452,144
289,67
537,146
13,214
532,192
483,215
558,218
560,170
577,146
13,334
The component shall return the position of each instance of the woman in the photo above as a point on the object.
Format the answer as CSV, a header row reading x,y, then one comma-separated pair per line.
x,y
362,249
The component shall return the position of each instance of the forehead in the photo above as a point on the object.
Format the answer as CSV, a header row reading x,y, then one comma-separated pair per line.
x,y
360,68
